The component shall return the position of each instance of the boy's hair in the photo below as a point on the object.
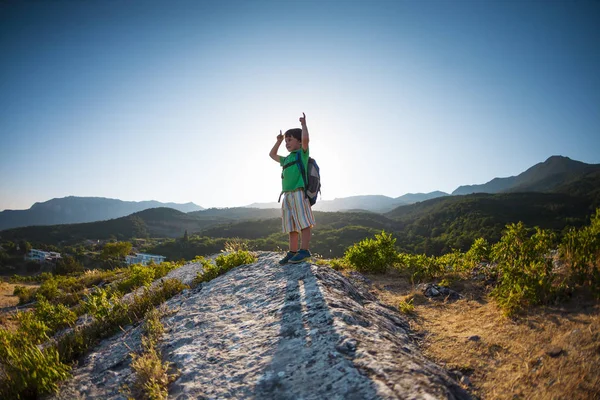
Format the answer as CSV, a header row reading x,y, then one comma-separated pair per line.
x,y
295,133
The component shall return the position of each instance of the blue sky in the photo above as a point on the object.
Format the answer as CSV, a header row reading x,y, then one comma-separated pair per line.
x,y
182,100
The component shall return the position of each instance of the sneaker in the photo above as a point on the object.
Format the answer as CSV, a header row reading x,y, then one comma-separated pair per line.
x,y
301,256
287,257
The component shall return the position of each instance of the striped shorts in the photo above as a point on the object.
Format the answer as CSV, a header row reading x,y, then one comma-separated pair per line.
x,y
296,213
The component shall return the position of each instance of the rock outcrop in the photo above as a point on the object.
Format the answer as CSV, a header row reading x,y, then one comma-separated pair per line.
x,y
269,332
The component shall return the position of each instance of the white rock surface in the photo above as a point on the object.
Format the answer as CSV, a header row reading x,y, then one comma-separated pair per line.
x,y
269,332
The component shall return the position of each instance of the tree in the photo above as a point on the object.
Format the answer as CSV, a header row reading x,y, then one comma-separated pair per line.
x,y
67,265
117,250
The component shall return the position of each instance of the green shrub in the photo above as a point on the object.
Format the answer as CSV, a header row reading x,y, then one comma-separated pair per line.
x,y
49,289
372,255
454,261
32,328
209,272
580,249
55,316
24,293
339,264
27,370
525,268
421,267
223,263
101,302
138,275
228,261
478,253
164,268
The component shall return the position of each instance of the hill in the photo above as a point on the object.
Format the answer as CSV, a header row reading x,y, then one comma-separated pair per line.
x,y
70,210
553,173
456,221
156,222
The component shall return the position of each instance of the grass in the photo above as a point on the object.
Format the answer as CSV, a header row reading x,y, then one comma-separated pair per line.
x,y
504,358
151,373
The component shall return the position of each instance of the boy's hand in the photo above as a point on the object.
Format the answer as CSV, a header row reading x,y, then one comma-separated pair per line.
x,y
303,119
280,136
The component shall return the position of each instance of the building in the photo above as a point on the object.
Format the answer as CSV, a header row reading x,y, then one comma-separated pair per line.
x,y
144,259
41,256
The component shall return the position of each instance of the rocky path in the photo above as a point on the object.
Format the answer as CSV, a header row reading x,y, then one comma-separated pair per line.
x,y
269,332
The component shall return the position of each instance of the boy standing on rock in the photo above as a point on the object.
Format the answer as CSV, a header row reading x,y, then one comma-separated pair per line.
x,y
296,213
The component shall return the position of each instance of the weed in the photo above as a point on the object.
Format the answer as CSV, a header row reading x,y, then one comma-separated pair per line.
x,y
151,374
236,244
406,307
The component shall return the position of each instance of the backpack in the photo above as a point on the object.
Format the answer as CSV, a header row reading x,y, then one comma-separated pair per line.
x,y
312,182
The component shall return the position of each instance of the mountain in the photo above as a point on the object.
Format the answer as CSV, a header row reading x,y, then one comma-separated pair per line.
x,y
373,203
69,210
236,213
555,172
411,198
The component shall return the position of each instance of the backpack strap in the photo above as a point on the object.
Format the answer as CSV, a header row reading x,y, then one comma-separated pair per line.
x,y
302,172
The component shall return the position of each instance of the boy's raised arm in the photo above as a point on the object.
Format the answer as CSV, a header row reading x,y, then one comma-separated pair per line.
x,y
305,137
273,153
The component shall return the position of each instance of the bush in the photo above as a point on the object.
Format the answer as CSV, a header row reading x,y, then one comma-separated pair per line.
x,y
525,268
164,268
67,265
478,253
101,302
420,266
223,263
55,316
139,275
27,370
372,255
49,289
228,261
580,249
339,264
32,328
25,294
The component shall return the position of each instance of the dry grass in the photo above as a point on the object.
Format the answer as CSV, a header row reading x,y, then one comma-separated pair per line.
x,y
7,302
506,359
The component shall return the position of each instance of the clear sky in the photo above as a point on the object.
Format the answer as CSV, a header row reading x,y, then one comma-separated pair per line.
x,y
181,101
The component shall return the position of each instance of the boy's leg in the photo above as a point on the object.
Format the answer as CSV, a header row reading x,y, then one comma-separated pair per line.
x,y
294,241
305,238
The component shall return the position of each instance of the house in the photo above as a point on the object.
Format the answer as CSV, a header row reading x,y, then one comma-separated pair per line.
x,y
41,256
144,259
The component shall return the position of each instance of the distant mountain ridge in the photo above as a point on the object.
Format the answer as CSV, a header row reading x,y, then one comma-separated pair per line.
x,y
373,203
555,172
72,209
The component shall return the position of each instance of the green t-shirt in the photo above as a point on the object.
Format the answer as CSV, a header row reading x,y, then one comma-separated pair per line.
x,y
292,178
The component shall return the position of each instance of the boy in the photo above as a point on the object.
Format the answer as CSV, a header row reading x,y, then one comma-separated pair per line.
x,y
296,213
